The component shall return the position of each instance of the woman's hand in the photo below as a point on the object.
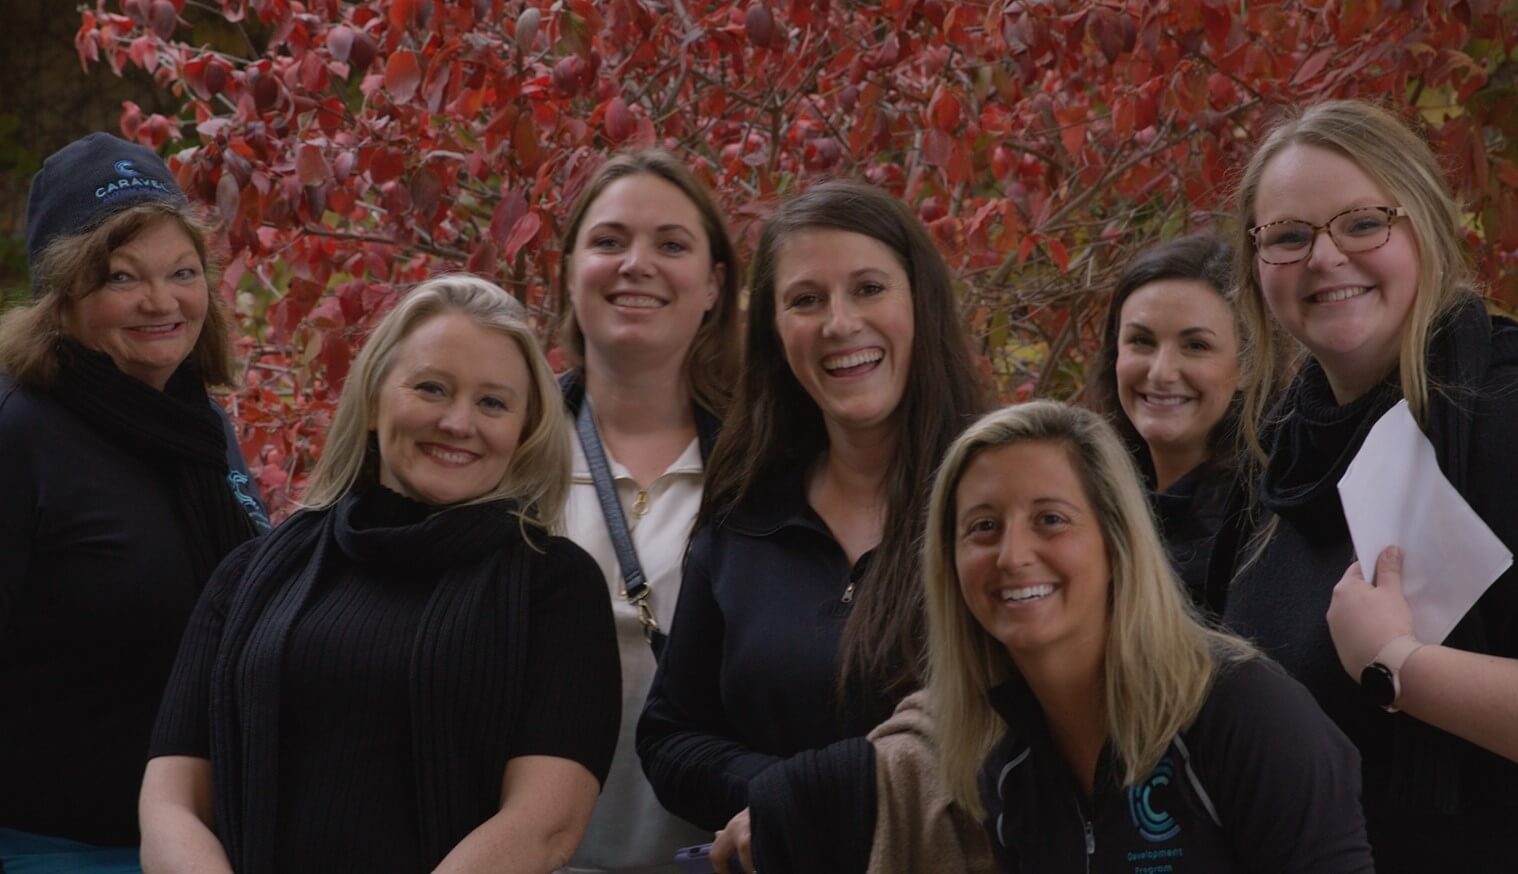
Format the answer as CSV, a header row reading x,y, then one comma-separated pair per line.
x,y
1363,618
734,840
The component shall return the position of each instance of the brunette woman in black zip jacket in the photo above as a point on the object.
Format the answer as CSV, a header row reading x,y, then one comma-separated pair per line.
x,y
799,621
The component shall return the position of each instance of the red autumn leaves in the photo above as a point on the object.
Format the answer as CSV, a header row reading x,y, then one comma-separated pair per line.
x,y
351,148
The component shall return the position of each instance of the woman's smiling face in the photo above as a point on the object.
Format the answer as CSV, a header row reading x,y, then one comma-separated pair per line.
x,y
843,311
641,276
148,314
1347,309
1177,363
1029,552
451,410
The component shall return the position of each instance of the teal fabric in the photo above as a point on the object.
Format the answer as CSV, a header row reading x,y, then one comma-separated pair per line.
x,y
23,853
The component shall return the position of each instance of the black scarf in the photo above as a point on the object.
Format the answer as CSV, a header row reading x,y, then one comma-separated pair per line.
x,y
467,660
1314,440
176,429
1311,440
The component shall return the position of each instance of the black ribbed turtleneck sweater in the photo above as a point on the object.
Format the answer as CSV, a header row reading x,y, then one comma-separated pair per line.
x,y
347,796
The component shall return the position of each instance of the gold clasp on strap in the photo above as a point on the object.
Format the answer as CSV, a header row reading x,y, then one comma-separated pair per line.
x,y
646,613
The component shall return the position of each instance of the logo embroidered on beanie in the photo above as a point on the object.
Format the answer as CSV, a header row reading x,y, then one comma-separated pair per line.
x,y
136,181
124,168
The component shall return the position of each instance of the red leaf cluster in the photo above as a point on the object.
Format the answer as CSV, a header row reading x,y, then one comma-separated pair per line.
x,y
351,149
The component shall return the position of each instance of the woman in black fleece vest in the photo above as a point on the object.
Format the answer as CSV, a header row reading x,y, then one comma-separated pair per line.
x,y
410,674
1351,245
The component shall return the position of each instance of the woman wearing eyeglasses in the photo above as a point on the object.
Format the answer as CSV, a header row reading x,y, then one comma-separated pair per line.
x,y
1352,248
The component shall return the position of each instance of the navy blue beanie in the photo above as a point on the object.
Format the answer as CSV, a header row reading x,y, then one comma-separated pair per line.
x,y
86,181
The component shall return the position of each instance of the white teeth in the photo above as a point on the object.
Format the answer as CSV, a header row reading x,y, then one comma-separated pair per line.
x,y
1339,294
1026,593
1166,400
636,301
448,456
852,359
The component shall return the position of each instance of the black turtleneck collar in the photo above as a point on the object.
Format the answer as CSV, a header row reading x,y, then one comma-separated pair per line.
x,y
385,531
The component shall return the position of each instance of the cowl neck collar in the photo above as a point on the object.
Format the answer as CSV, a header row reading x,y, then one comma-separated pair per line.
x,y
381,530
1311,439
472,634
1312,446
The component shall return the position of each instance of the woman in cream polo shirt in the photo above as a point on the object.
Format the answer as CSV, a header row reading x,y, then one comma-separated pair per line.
x,y
649,316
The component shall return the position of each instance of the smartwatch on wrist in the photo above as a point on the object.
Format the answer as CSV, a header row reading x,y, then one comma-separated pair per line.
x,y
1381,679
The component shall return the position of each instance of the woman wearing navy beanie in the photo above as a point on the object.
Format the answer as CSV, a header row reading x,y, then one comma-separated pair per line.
x,y
123,488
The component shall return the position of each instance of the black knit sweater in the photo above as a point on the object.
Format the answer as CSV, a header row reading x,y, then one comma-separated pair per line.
x,y
749,678
360,694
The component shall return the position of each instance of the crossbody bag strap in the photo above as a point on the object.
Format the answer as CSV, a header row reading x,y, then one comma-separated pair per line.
x,y
634,583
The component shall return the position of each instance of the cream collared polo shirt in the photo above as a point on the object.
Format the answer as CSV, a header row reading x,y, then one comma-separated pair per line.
x,y
629,830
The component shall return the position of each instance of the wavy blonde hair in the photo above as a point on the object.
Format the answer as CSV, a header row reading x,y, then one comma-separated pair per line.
x,y
1160,658
1401,162
538,475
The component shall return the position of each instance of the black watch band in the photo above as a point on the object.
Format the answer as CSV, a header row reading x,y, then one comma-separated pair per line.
x,y
1381,679
1380,685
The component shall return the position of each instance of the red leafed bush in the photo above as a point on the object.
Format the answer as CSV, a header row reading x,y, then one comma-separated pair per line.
x,y
353,148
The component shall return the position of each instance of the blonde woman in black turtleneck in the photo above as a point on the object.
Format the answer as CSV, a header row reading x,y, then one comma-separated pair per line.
x,y
410,674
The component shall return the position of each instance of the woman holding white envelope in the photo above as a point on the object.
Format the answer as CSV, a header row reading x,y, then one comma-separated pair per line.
x,y
1350,244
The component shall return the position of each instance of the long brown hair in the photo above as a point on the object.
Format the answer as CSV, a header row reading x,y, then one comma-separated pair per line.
x,y
711,366
74,267
774,426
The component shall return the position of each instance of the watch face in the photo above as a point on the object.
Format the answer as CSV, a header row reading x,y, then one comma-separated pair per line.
x,y
1379,685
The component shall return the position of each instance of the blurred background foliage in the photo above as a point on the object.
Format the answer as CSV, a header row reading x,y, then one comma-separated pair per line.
x,y
350,149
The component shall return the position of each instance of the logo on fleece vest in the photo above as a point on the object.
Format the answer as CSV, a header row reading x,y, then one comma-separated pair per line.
x,y
1146,804
128,178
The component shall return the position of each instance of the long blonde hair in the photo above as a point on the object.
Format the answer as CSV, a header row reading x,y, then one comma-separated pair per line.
x,y
1400,161
538,475
1160,659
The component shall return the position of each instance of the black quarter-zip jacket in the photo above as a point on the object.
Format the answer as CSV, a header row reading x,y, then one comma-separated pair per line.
x,y
749,675
1260,782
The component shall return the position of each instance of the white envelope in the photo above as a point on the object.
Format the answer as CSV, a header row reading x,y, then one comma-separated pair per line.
x,y
1394,494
